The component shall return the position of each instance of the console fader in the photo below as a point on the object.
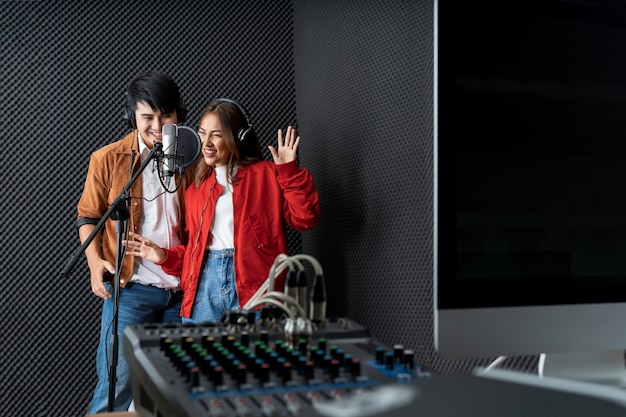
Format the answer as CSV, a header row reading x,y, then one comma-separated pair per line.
x,y
217,369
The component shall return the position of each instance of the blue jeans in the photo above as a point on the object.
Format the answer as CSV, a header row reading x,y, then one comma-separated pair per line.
x,y
138,304
216,291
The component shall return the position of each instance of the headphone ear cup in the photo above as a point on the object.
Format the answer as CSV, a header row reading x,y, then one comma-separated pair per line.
x,y
181,111
245,134
129,116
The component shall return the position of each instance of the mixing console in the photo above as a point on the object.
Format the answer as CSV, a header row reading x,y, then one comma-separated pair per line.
x,y
218,369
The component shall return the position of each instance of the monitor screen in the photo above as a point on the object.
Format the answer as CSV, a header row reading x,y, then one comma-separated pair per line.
x,y
530,177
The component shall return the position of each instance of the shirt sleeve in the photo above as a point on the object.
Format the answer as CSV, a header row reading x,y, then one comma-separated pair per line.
x,y
93,202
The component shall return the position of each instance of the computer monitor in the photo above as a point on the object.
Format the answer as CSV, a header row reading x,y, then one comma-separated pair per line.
x,y
530,183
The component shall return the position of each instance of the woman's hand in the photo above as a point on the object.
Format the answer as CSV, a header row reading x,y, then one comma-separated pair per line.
x,y
287,150
144,248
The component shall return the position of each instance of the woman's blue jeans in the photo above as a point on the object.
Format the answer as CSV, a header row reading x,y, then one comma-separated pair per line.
x,y
216,291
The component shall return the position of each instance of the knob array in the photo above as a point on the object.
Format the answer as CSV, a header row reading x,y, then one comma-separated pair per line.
x,y
229,362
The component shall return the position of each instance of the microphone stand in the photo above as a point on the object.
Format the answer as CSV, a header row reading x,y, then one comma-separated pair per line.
x,y
117,211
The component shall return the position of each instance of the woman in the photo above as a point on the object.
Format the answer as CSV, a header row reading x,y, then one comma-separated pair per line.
x,y
236,214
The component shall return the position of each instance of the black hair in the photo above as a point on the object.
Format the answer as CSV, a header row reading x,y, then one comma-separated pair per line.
x,y
159,91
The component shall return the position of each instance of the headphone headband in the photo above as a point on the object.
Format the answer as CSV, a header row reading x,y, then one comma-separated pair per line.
x,y
242,110
245,132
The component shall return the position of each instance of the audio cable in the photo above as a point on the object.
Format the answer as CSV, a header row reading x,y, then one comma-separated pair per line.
x,y
293,298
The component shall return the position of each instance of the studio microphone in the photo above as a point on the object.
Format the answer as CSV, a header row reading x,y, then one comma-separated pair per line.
x,y
181,148
168,135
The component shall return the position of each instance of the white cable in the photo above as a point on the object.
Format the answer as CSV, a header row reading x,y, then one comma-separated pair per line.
x,y
282,262
281,296
263,288
283,299
317,306
264,300
499,360
316,265
279,261
275,269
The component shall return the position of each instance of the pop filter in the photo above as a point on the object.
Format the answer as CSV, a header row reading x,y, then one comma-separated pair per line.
x,y
188,145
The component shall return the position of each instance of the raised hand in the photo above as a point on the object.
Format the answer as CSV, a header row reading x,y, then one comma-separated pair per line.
x,y
287,149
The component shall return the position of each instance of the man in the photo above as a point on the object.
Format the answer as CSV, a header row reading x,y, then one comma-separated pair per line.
x,y
147,294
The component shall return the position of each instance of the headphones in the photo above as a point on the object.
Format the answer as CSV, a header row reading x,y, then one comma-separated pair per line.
x,y
246,133
129,113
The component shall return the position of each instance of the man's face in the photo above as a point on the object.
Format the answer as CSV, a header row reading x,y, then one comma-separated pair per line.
x,y
150,122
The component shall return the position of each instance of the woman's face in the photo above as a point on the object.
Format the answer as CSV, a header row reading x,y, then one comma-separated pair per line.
x,y
214,149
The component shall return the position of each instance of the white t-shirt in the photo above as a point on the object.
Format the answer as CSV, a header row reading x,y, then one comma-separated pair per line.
x,y
223,229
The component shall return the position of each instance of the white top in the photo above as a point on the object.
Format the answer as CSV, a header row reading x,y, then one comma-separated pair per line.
x,y
159,223
223,229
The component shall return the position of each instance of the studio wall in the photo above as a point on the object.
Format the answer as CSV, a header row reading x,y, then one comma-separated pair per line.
x,y
356,76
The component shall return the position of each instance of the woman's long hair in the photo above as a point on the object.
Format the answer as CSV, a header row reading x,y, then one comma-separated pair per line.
x,y
241,152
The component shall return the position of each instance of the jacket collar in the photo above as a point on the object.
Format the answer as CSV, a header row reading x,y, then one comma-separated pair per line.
x,y
129,143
